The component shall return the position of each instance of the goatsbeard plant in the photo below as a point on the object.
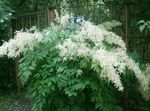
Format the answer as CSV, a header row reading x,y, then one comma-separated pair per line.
x,y
72,59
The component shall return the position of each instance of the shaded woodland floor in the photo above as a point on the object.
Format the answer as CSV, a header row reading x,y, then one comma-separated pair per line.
x,y
11,101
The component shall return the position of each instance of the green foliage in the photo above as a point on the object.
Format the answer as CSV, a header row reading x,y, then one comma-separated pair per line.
x,y
7,74
94,10
144,25
5,14
57,85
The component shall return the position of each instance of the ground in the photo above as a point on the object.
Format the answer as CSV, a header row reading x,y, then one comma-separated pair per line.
x,y
12,101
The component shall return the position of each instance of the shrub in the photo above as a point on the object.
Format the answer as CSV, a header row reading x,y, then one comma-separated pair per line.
x,y
74,66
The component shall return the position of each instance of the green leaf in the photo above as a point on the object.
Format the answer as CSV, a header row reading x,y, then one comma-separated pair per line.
x,y
142,27
141,22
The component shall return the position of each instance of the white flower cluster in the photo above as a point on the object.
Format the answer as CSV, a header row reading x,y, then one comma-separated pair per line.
x,y
64,20
146,93
113,62
110,24
22,42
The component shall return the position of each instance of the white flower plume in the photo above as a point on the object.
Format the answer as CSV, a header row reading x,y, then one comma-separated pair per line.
x,y
112,61
22,42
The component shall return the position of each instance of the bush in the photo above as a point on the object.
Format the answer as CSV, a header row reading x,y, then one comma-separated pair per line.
x,y
58,85
75,66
